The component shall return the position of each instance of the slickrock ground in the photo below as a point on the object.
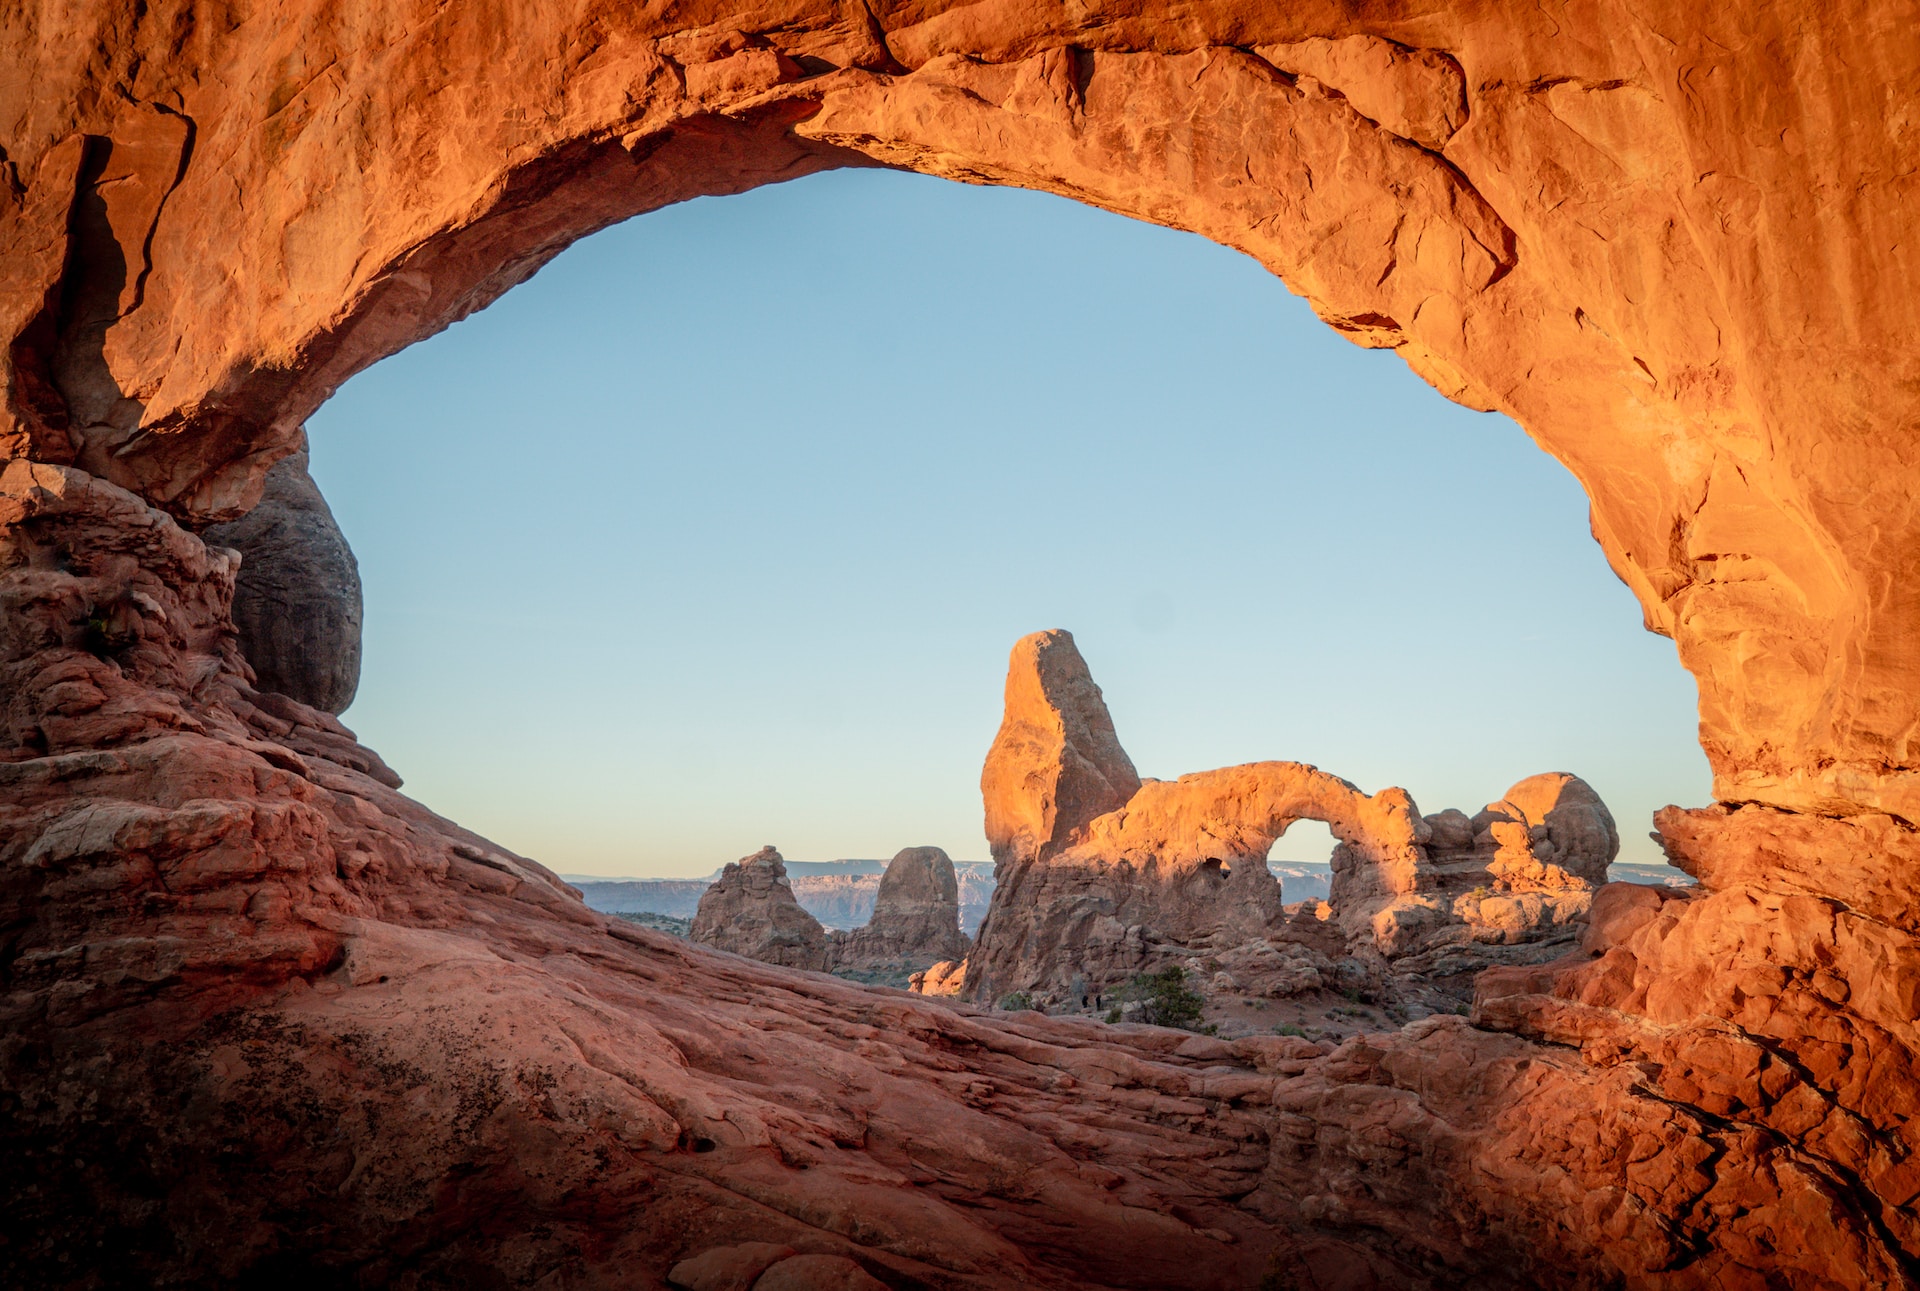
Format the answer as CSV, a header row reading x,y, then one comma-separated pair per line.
x,y
750,910
264,1016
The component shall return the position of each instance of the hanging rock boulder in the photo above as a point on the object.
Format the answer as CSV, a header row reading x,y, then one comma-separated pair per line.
x,y
297,601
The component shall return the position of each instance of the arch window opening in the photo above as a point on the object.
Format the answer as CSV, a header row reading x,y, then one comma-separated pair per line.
x,y
716,531
1300,859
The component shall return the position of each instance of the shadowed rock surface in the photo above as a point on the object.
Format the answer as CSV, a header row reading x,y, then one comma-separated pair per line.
x,y
297,603
916,916
265,1018
750,911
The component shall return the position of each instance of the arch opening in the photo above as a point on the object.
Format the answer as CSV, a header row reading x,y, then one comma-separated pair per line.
x,y
1302,859
715,621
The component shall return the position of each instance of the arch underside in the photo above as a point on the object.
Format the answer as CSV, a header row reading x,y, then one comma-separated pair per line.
x,y
1679,260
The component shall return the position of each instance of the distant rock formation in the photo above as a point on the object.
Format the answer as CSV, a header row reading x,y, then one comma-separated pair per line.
x,y
916,916
1521,870
948,977
838,901
1093,888
1056,762
750,910
297,602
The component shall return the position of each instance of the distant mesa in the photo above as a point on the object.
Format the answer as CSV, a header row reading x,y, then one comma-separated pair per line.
x,y
1103,877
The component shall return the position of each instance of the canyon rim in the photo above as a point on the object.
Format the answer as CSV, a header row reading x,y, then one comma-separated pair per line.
x,y
267,1019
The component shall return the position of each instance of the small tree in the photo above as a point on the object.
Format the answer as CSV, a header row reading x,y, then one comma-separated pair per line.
x,y
1165,998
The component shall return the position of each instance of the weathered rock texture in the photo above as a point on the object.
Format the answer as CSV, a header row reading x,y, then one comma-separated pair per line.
x,y
1056,762
297,603
263,1013
916,916
750,910
264,1016
948,977
1523,869
1176,872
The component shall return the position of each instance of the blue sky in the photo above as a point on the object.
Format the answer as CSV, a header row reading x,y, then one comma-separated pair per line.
x,y
717,532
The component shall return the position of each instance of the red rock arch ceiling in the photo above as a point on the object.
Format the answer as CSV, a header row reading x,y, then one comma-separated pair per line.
x,y
1667,248
1676,244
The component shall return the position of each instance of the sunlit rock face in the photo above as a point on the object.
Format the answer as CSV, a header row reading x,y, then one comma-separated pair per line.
x,y
1618,237
266,1017
1176,873
1520,871
1056,762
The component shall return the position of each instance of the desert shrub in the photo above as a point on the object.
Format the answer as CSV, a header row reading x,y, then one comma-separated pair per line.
x,y
1165,998
1017,1002
1288,1028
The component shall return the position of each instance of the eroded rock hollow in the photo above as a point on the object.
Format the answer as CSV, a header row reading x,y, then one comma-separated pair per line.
x,y
267,1018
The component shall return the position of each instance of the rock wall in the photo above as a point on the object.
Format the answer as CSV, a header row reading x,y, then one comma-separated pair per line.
x,y
1606,221
265,1017
265,1014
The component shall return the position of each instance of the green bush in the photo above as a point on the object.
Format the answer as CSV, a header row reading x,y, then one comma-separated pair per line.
x,y
1288,1028
1166,999
1017,1002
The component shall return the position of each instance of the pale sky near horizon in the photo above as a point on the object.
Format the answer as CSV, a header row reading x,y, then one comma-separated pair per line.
x,y
717,533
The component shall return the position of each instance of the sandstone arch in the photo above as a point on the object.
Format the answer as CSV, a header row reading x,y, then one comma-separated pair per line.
x,y
1675,244
363,184
1175,872
1186,857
